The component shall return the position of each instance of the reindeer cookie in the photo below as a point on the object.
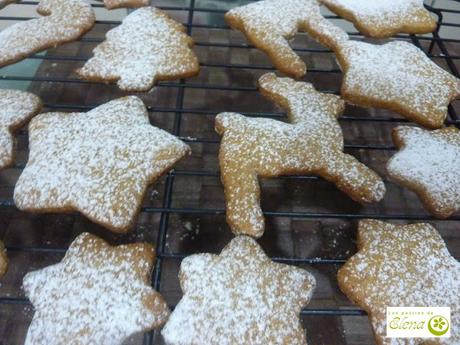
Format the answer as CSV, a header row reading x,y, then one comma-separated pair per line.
x,y
396,76
146,47
97,294
16,108
428,163
112,4
311,143
3,260
239,297
63,21
380,19
99,163
269,25
403,266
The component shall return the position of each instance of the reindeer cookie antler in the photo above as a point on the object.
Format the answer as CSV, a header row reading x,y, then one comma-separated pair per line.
x,y
311,143
63,21
269,24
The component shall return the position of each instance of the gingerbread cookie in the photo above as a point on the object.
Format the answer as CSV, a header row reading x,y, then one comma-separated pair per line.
x,y
146,47
311,143
3,260
97,294
239,297
269,25
380,19
63,21
99,163
112,4
16,108
4,3
428,163
402,266
396,76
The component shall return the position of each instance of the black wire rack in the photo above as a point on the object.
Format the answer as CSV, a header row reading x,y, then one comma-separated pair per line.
x,y
436,47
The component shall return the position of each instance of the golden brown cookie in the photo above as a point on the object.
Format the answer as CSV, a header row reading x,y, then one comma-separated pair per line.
x,y
402,266
99,163
239,297
16,108
428,162
112,4
312,143
270,24
4,3
147,46
97,294
380,19
63,21
3,260
397,76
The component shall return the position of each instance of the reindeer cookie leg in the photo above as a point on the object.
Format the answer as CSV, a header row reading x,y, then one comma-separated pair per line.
x,y
354,178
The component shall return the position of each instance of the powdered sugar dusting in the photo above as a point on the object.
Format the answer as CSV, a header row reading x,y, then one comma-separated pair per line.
x,y
398,76
312,143
269,24
96,295
111,4
403,266
99,163
428,163
64,21
383,18
147,46
16,107
239,297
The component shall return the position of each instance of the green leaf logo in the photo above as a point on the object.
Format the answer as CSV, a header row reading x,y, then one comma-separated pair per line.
x,y
438,325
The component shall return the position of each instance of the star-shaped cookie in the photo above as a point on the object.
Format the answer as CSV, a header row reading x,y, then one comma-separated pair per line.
x,y
402,266
16,108
63,21
146,47
380,19
97,294
428,163
3,260
239,297
99,163
112,4
396,76
270,24
312,143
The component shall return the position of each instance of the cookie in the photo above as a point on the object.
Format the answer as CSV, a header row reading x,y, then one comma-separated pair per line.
x,y
381,19
3,260
99,163
397,76
428,163
112,4
402,266
147,46
97,294
16,108
239,297
4,3
311,143
63,21
270,24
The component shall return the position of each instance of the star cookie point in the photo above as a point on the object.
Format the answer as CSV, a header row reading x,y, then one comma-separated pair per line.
x,y
97,294
239,297
99,163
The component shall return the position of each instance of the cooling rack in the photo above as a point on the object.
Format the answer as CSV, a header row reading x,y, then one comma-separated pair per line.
x,y
309,222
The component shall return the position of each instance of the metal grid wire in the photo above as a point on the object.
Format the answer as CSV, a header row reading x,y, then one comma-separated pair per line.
x,y
428,43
